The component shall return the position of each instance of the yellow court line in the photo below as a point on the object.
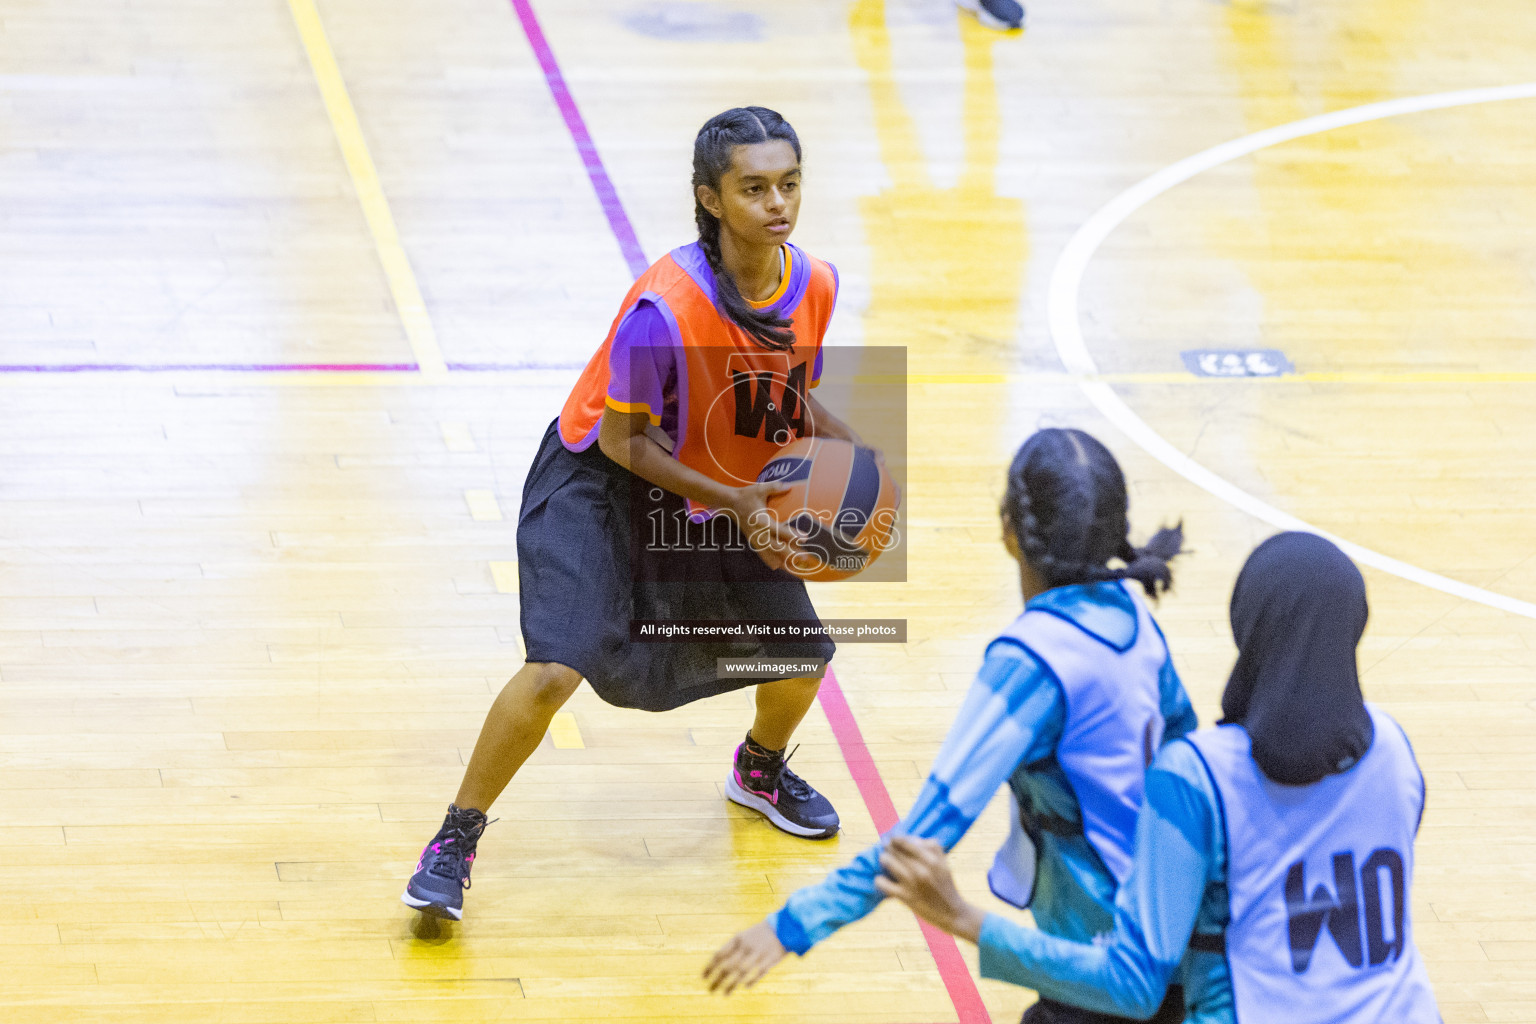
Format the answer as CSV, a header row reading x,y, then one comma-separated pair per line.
x,y
964,378
483,506
1419,377
564,733
370,193
456,436
504,574
1341,377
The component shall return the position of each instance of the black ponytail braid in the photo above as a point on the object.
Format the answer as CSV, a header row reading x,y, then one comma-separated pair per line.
x,y
721,134
1066,503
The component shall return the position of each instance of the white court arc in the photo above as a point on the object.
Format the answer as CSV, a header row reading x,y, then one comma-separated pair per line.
x,y
1066,331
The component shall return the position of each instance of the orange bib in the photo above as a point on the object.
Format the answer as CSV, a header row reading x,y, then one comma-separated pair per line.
x,y
738,403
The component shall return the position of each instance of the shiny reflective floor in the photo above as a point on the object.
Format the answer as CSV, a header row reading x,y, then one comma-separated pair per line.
x,y
290,290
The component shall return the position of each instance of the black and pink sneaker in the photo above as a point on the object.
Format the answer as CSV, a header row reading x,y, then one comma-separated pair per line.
x,y
442,873
762,781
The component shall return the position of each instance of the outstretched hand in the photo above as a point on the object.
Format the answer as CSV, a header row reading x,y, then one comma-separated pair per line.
x,y
743,960
917,873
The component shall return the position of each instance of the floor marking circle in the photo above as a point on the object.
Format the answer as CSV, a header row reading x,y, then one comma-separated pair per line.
x,y
1066,331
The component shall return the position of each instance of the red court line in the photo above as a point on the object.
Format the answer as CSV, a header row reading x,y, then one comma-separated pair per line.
x,y
866,774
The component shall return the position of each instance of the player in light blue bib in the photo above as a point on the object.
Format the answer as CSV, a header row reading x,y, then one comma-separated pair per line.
x,y
1072,702
1276,847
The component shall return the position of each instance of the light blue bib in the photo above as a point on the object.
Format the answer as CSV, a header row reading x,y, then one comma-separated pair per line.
x,y
1319,879
1108,664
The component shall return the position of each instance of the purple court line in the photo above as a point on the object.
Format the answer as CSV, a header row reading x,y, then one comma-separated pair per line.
x,y
276,367
225,367
512,367
607,197
618,220
951,966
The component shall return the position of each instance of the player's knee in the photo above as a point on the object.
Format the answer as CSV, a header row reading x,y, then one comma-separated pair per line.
x,y
552,684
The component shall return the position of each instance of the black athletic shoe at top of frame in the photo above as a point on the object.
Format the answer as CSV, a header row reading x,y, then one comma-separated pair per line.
x,y
766,785
442,873
1002,15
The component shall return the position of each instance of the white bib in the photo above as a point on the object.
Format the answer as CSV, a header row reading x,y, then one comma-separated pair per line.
x,y
1113,728
1319,879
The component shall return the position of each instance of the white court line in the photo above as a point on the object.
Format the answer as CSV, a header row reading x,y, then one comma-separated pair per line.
x,y
1066,332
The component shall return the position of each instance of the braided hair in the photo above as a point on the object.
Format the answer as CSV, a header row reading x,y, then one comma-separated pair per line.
x,y
1066,504
712,149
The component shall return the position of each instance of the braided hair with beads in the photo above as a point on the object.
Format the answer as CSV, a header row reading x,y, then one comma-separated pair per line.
x,y
1067,505
712,149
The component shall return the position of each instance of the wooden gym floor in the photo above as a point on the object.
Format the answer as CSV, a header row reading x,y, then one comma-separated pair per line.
x,y
287,296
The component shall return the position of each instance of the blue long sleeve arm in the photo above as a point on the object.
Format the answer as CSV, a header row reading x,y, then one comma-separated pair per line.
x,y
1178,713
1013,711
1176,855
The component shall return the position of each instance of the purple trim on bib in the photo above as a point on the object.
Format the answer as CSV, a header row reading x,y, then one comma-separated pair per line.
x,y
695,264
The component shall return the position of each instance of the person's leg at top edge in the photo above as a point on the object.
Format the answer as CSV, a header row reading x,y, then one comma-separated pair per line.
x,y
1002,15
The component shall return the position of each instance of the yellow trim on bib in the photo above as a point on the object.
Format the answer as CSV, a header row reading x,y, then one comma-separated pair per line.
x,y
644,407
789,265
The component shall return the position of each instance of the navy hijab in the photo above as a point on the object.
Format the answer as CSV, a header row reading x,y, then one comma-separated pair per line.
x,y
1298,611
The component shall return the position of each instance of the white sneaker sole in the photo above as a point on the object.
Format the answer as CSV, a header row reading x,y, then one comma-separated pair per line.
x,y
428,907
985,16
736,795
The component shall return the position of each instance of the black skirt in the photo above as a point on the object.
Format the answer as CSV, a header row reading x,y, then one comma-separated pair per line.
x,y
597,548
